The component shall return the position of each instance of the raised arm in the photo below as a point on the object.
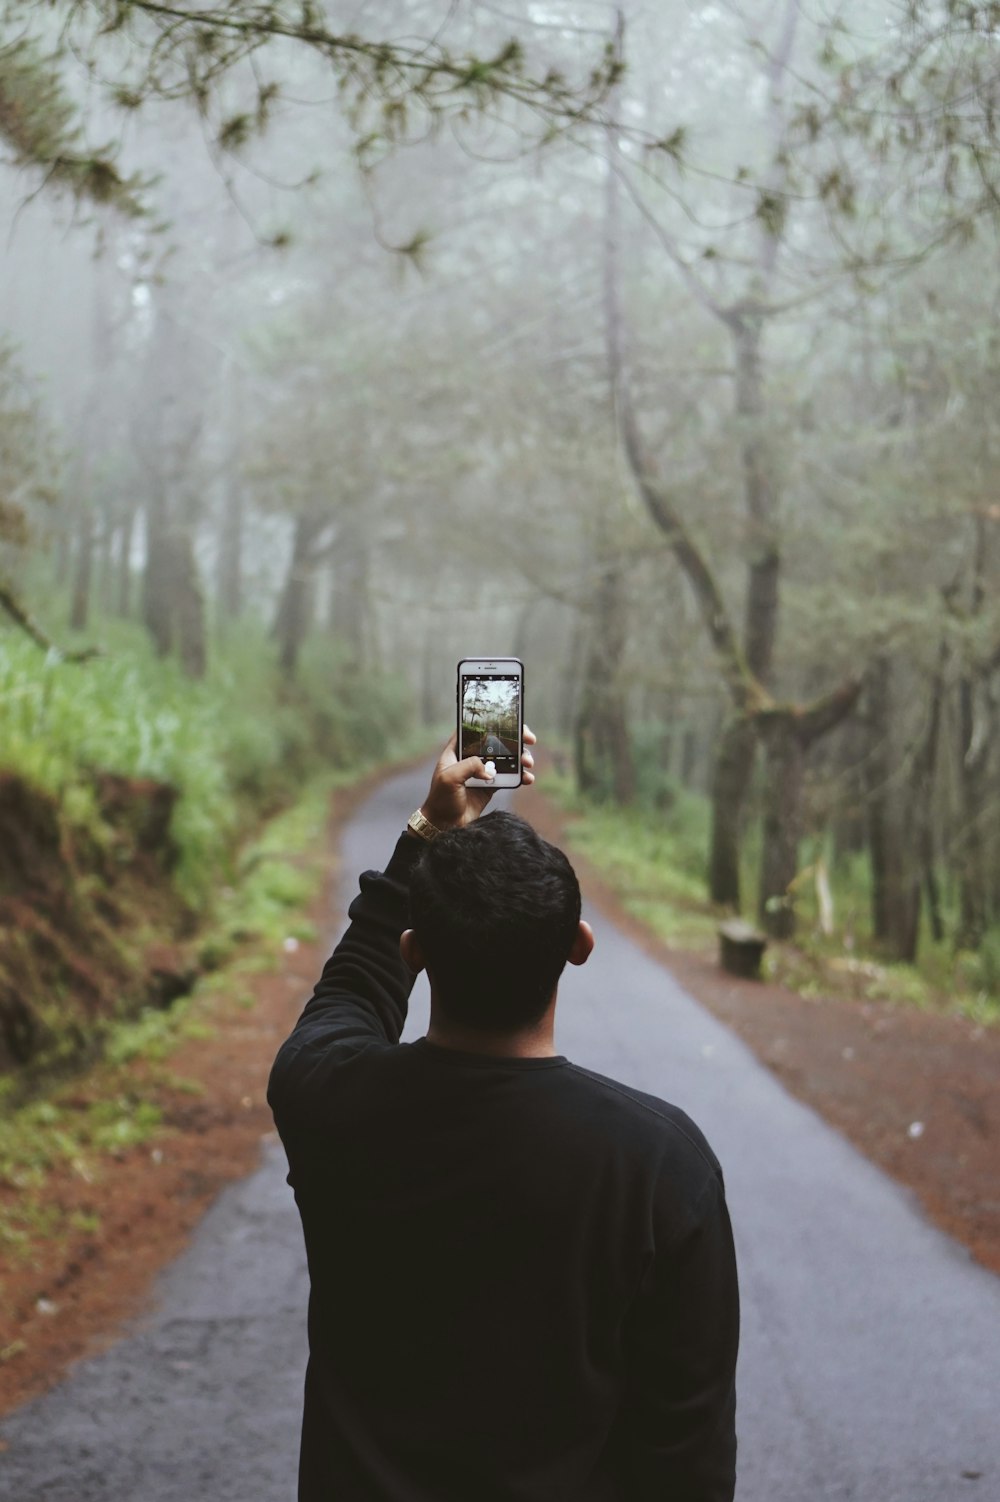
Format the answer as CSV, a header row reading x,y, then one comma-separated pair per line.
x,y
361,998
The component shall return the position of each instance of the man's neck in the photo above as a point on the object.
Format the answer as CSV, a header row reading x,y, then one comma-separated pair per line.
x,y
537,1042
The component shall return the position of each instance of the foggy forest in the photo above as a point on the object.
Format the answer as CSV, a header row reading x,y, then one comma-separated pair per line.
x,y
654,344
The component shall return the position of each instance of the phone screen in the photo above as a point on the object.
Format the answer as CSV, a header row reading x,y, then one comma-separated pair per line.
x,y
491,719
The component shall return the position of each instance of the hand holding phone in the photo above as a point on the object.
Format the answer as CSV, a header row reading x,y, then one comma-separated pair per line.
x,y
454,798
491,717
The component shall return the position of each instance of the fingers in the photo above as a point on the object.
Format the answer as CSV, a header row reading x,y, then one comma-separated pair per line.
x,y
527,760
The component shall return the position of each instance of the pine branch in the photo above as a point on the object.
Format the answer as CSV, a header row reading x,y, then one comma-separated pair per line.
x,y
39,124
186,51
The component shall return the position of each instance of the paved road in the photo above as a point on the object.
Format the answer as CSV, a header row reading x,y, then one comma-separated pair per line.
x,y
870,1364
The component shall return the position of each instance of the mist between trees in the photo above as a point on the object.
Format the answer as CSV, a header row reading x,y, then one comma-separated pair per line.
x,y
654,345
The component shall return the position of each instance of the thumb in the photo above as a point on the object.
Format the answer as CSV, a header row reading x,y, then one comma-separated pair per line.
x,y
461,771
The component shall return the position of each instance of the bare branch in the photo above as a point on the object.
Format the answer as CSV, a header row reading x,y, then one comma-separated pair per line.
x,y
13,607
746,692
815,720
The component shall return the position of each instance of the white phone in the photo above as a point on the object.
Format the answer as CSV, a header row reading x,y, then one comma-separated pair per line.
x,y
491,717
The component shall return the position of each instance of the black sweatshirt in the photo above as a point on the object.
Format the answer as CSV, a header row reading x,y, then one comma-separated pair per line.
x,y
523,1280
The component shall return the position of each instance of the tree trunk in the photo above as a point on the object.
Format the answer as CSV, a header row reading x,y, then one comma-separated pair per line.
x,y
895,875
350,603
972,875
690,758
733,770
230,565
294,614
747,666
923,800
977,733
83,570
764,560
189,607
91,426
568,694
784,760
603,751
735,759
790,734
123,588
157,590
62,556
105,553
848,822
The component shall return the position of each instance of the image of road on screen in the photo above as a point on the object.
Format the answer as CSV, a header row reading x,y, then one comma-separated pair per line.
x,y
490,720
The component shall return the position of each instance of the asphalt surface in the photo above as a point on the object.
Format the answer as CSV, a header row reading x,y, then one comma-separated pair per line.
x,y
870,1360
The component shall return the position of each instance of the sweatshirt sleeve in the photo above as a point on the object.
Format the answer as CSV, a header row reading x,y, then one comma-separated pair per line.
x,y
362,995
679,1418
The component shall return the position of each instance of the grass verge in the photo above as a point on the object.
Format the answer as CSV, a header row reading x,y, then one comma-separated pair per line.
x,y
654,860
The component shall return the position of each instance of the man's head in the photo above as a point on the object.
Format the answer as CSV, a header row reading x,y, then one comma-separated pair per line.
x,y
495,912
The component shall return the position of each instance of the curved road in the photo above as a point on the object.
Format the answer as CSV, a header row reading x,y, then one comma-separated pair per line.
x,y
870,1363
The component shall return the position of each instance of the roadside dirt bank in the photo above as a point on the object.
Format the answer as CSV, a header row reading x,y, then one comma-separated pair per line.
x,y
91,923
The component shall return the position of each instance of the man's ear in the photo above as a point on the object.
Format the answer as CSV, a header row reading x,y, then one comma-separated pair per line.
x,y
583,944
409,948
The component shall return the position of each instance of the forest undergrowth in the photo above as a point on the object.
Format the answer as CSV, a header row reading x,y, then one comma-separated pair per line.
x,y
127,795
653,856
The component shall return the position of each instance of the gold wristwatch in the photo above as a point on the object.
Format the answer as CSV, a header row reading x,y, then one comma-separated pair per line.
x,y
422,827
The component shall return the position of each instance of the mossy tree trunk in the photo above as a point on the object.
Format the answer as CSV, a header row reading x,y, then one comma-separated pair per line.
x,y
788,733
156,579
102,340
295,606
895,868
976,849
784,775
734,763
83,563
123,563
189,606
169,435
603,754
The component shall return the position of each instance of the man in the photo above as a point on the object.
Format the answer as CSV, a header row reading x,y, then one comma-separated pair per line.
x,y
523,1286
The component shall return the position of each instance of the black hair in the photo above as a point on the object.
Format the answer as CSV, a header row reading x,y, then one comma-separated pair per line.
x,y
496,910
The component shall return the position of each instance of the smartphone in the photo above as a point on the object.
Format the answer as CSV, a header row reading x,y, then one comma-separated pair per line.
x,y
491,716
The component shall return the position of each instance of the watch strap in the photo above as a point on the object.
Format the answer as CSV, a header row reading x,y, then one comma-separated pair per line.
x,y
422,827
